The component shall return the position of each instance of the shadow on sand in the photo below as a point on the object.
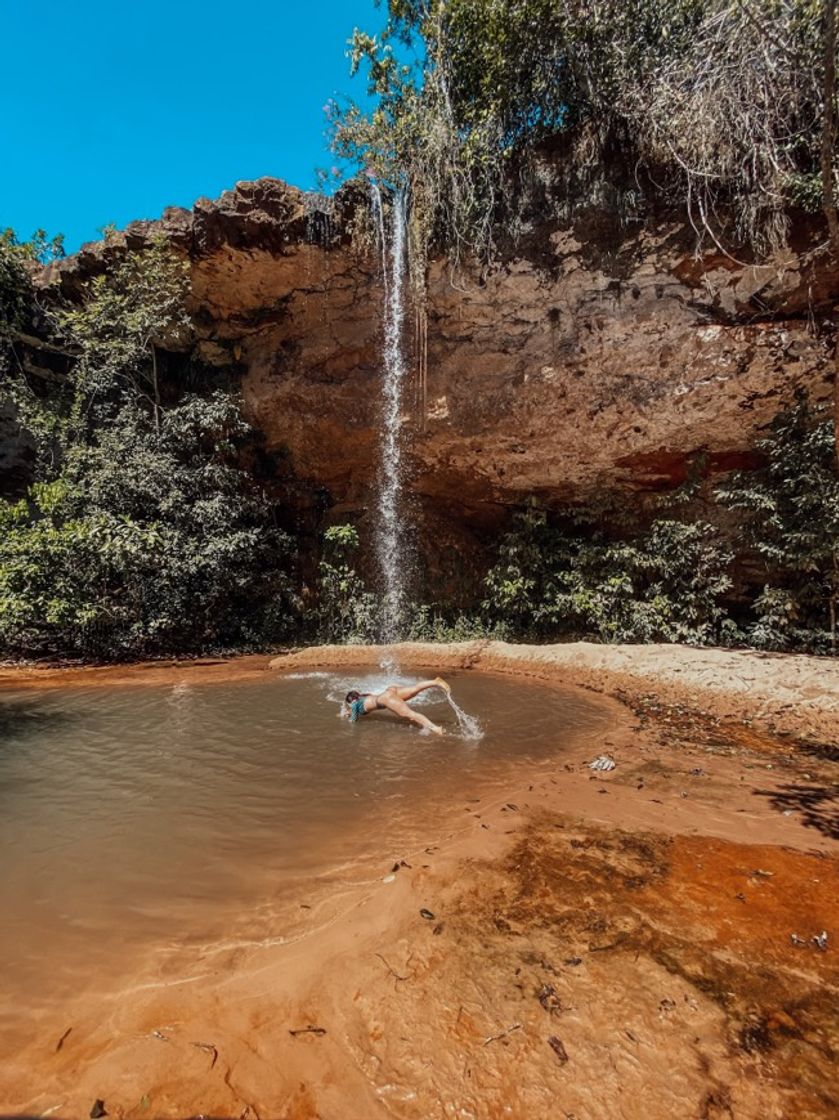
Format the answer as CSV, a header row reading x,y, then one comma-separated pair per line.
x,y
817,805
824,752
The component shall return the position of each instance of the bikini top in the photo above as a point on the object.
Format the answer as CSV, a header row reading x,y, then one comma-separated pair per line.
x,y
357,709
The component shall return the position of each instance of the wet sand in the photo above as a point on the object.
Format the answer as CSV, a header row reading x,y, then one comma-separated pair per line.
x,y
629,944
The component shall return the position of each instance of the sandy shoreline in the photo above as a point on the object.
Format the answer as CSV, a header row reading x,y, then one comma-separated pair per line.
x,y
792,693
602,945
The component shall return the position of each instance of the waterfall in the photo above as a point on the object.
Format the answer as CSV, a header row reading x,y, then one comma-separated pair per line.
x,y
390,528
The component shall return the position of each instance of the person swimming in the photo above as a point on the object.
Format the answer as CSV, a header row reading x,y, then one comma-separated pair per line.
x,y
394,698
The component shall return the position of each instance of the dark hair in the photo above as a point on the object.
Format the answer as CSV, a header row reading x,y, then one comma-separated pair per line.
x,y
352,695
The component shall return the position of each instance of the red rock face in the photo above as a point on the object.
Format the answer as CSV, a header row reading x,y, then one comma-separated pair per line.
x,y
601,367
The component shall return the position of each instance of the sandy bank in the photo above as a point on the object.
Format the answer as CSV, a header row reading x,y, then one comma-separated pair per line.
x,y
197,671
625,946
791,693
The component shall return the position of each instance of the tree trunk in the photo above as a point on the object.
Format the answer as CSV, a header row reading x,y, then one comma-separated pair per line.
x,y
828,148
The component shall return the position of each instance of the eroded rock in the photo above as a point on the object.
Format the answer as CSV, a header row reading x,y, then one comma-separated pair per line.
x,y
601,361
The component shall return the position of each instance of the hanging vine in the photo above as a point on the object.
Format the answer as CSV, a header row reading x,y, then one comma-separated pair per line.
x,y
720,102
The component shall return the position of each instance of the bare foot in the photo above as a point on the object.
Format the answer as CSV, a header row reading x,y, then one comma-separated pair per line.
x,y
436,729
442,684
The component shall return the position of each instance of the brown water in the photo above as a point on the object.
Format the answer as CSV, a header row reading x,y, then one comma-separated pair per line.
x,y
137,821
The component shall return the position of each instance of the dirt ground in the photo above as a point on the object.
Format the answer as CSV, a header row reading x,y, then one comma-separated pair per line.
x,y
655,941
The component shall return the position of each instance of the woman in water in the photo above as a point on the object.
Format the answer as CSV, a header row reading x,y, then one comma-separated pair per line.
x,y
395,699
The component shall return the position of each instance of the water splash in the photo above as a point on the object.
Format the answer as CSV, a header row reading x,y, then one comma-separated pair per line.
x,y
336,688
390,539
470,728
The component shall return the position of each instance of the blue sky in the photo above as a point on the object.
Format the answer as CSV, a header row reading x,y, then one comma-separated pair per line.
x,y
112,112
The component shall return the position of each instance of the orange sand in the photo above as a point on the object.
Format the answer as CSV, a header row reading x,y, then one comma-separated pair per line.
x,y
603,945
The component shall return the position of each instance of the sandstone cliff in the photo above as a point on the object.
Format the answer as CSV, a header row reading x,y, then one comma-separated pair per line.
x,y
599,358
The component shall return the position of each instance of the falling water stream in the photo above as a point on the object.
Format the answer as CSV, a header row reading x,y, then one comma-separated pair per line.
x,y
391,543
390,539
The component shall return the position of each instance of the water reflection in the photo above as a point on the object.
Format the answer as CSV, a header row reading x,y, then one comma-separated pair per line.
x,y
23,716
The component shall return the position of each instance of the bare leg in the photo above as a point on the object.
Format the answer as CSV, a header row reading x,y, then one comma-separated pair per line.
x,y
398,706
410,691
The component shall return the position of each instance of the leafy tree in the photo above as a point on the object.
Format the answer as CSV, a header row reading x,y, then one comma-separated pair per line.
x,y
720,100
667,584
16,294
39,247
62,578
146,534
346,610
21,316
128,314
522,578
151,540
14,299
791,508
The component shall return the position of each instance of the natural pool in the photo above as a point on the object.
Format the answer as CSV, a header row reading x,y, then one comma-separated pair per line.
x,y
137,821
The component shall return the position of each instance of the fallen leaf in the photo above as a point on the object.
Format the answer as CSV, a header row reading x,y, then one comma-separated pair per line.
x,y
558,1049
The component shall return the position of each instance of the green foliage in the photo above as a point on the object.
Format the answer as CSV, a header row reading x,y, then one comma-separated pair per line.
x,y
666,584
146,533
129,312
14,302
148,542
127,315
16,295
39,247
567,577
520,581
346,611
18,312
719,100
15,292
791,508
434,622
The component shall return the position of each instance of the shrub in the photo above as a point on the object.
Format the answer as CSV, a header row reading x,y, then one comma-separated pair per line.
x,y
145,533
666,584
791,519
434,622
346,610
148,542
